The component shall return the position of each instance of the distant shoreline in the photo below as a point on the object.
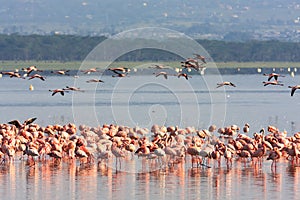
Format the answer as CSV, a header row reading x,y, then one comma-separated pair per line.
x,y
141,68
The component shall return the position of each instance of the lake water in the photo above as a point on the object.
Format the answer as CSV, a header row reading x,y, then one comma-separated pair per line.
x,y
66,181
143,101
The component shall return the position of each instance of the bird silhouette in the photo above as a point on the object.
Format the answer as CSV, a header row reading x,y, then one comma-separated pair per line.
x,y
225,83
95,81
272,83
119,70
186,76
165,74
202,58
55,91
37,76
191,63
117,74
18,124
159,67
88,71
61,72
12,74
30,69
73,89
294,88
273,75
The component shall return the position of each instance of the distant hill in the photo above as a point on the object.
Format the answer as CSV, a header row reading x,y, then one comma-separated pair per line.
x,y
76,48
227,19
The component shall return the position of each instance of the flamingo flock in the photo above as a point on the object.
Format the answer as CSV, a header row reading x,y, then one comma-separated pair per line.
x,y
196,63
32,72
165,146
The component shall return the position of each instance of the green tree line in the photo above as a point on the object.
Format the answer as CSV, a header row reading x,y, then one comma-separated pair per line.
x,y
76,48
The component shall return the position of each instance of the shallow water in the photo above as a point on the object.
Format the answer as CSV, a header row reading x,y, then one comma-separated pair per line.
x,y
142,101
145,100
72,181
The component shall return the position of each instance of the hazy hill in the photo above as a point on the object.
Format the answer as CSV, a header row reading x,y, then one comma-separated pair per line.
x,y
226,19
76,48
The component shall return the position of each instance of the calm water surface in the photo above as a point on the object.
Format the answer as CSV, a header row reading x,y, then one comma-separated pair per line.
x,y
143,101
71,181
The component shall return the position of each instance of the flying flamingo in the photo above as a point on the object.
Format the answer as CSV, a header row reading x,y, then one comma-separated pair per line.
x,y
225,83
202,58
165,74
88,71
30,69
55,91
12,74
73,89
294,88
160,67
61,72
273,75
95,81
186,76
272,83
37,76
18,124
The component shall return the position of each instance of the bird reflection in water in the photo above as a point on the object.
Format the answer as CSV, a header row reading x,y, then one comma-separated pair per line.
x,y
276,180
293,177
